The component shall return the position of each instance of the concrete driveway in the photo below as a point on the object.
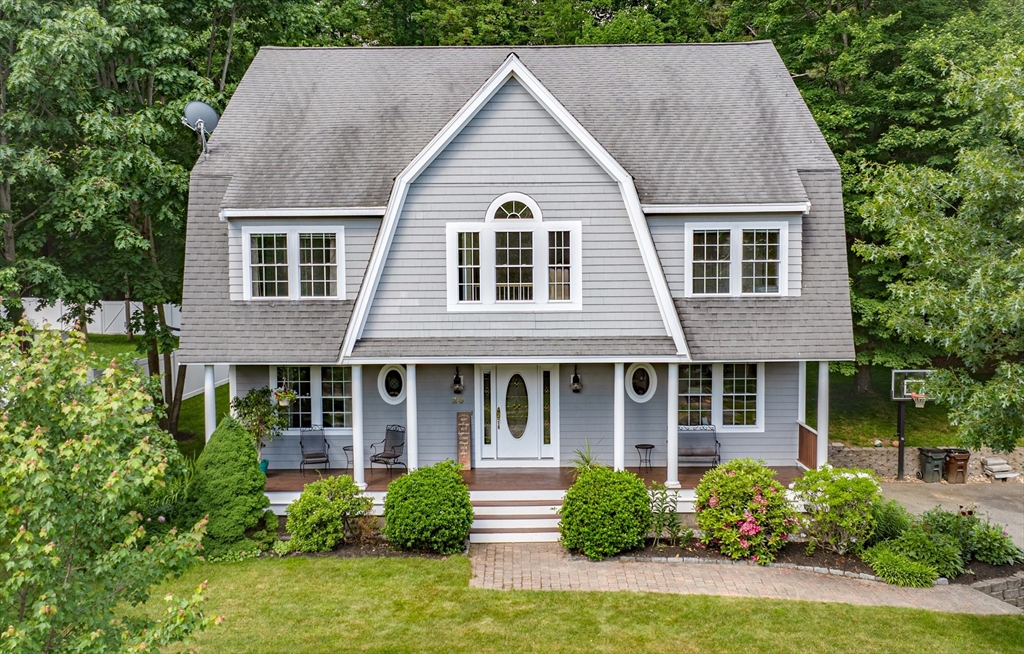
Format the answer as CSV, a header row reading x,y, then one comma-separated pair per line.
x,y
1002,503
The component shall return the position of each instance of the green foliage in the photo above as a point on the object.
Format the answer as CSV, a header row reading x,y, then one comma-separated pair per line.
x,y
838,502
891,520
936,550
897,569
261,415
282,548
958,525
995,547
228,487
429,509
605,512
584,460
325,514
743,512
665,521
77,456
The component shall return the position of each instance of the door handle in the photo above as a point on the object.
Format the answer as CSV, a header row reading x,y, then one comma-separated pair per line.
x,y
499,418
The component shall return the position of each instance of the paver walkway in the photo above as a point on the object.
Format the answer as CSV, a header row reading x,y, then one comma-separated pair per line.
x,y
547,566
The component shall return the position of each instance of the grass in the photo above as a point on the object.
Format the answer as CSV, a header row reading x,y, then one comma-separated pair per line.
x,y
111,346
857,420
418,605
192,420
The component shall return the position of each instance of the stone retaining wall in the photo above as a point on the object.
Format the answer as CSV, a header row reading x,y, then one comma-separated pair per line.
x,y
1010,589
885,460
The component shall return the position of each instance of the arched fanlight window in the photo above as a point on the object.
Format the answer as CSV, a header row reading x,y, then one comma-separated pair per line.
x,y
513,210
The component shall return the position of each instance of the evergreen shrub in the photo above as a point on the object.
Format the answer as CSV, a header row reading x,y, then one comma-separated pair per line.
x,y
743,512
605,512
326,513
228,486
429,509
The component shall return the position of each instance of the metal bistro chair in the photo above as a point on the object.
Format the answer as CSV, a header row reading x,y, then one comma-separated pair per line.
x,y
314,447
390,448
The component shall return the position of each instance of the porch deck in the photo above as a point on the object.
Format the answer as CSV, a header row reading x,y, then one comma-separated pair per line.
x,y
508,479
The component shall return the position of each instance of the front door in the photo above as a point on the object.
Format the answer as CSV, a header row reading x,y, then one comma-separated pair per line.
x,y
517,412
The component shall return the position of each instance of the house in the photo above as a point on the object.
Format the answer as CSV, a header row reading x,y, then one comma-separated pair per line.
x,y
601,245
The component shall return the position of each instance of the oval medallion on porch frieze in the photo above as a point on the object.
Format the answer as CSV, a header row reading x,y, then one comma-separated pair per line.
x,y
517,406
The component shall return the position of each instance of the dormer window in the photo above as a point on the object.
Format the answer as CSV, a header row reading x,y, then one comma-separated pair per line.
x,y
740,258
293,263
514,260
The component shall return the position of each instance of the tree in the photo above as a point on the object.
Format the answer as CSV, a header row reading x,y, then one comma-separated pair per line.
x,y
960,235
77,455
261,416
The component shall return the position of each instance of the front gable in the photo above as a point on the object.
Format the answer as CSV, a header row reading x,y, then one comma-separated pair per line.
x,y
513,137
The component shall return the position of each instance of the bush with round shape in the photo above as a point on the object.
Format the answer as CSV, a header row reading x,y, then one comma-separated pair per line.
x,y
958,525
994,546
891,520
743,512
605,512
935,550
429,510
897,569
325,514
228,486
838,504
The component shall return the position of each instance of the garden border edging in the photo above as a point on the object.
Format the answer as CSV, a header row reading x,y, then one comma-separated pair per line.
x,y
1007,589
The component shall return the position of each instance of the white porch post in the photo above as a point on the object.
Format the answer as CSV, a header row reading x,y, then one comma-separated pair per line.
x,y
411,437
619,422
672,451
801,400
822,413
358,472
210,400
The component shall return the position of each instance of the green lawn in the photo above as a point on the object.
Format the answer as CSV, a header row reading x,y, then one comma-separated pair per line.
x,y
859,419
417,605
192,419
110,346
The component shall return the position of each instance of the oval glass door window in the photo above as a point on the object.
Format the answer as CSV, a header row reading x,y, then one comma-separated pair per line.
x,y
517,406
393,383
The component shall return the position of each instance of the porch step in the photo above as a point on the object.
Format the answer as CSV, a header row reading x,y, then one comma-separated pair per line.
x,y
515,519
514,535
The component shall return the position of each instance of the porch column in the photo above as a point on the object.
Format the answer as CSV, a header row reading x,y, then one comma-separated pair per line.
x,y
210,400
412,443
672,450
358,471
822,413
619,422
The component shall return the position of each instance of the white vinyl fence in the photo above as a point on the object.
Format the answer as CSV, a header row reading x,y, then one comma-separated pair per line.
x,y
109,317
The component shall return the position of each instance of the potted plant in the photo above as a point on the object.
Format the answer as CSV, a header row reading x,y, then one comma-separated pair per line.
x,y
284,396
262,412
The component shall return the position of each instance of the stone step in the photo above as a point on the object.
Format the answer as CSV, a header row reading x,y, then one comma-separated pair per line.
x,y
993,461
515,522
1003,467
1005,475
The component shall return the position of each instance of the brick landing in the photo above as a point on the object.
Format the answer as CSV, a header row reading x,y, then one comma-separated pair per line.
x,y
546,566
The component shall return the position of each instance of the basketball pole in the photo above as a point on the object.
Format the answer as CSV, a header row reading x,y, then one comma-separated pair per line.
x,y
901,433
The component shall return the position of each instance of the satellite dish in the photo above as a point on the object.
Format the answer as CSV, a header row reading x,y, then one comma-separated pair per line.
x,y
202,119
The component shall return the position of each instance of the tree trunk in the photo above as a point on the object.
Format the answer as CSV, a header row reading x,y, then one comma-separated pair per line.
x,y
179,390
227,55
168,388
152,349
862,380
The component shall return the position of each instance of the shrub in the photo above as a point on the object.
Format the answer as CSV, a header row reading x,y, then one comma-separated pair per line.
x,y
605,512
260,414
891,520
897,569
742,511
325,514
228,487
838,502
935,550
429,509
994,546
960,526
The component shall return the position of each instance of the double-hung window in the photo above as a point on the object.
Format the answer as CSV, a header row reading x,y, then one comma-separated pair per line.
x,y
293,262
514,260
736,259
727,395
323,395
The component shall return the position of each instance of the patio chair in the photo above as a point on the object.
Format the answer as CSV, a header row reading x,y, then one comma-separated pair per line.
x,y
314,446
388,451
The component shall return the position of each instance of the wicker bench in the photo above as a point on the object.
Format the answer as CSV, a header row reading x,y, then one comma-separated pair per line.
x,y
699,444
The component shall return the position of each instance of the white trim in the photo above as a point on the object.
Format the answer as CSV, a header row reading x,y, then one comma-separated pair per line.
x,y
485,456
801,384
516,197
412,439
384,393
718,395
619,418
291,231
315,396
640,399
779,207
513,67
736,229
672,442
823,408
358,212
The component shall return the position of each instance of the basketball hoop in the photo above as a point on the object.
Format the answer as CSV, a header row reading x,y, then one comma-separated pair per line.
x,y
919,399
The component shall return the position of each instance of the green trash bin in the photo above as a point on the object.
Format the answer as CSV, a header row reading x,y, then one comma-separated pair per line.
x,y
932,459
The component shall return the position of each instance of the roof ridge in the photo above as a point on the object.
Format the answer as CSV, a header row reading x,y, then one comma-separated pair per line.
x,y
512,47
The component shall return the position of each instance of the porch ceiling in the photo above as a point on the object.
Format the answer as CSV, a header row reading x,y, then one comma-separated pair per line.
x,y
514,347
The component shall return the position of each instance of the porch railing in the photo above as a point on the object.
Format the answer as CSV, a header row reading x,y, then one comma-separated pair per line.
x,y
807,451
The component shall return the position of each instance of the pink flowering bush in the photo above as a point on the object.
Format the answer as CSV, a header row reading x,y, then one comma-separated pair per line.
x,y
743,512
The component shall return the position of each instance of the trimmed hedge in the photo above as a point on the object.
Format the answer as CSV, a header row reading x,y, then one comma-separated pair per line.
x,y
429,509
228,487
325,514
604,513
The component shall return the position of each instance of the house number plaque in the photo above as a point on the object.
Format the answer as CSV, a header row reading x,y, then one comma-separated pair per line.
x,y
463,434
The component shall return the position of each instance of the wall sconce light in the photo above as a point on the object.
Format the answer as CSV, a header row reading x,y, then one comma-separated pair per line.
x,y
575,384
457,385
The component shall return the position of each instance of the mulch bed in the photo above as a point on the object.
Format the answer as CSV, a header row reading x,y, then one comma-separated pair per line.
x,y
984,572
372,549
